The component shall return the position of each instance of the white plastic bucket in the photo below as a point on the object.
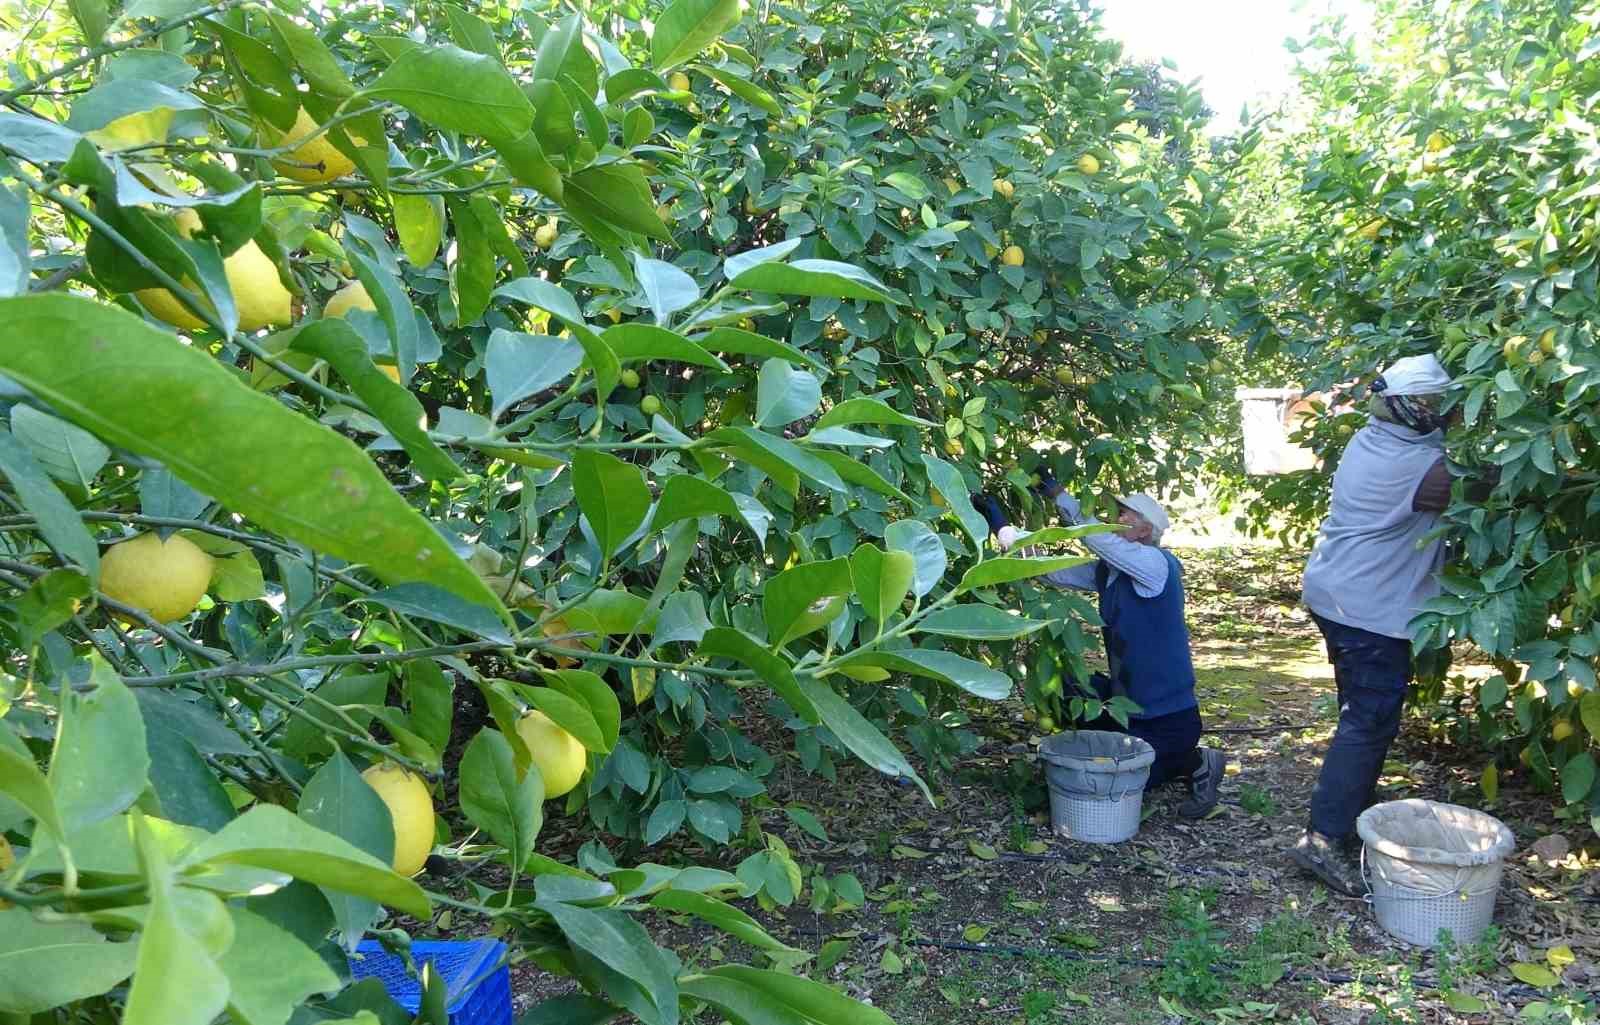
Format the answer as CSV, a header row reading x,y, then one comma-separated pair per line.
x,y
1096,780
1432,866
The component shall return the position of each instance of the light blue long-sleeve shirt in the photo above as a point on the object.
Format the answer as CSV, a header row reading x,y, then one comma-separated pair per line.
x,y
1143,563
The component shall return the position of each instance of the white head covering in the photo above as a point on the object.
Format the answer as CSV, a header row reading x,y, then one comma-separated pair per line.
x,y
1416,375
1150,510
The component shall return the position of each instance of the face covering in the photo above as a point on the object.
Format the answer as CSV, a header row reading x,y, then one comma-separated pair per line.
x,y
1418,412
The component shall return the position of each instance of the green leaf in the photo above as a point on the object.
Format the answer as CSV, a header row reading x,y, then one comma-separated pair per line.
x,y
748,343
335,341
456,90
1577,777
162,494
569,713
160,398
816,1001
428,602
806,821
339,802
1007,568
1589,713
472,272
257,997
762,449
1535,975
99,765
509,809
854,471
720,915
22,782
881,579
926,550
867,411
50,601
58,521
784,394
686,497
270,837
826,279
45,964
578,1009
185,787
953,487
741,1003
592,691
543,295
619,943
726,642
67,452
791,593
745,89
687,27
175,981
419,221
913,187
858,735
973,677
1463,1003
666,288
520,365
635,342
620,195
978,623
235,572
613,496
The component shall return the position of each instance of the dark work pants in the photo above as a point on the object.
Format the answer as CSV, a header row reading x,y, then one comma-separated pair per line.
x,y
1371,672
1173,736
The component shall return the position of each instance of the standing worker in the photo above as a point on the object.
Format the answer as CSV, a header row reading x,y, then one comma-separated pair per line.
x,y
1140,585
1373,568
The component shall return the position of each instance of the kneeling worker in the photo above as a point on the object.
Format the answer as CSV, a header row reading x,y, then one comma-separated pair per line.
x,y
1140,585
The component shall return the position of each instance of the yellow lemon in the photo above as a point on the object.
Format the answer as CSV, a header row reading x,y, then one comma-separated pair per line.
x,y
678,82
1369,230
953,447
1012,256
1003,188
1512,350
324,159
1089,164
953,185
258,294
353,296
557,753
1436,142
390,371
546,235
410,808
1561,731
164,578
630,378
139,129
1547,341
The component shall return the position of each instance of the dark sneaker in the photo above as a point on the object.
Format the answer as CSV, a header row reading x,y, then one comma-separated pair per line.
x,y
1205,785
1329,861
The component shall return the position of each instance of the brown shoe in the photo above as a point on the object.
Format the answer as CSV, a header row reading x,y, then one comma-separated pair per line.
x,y
1323,857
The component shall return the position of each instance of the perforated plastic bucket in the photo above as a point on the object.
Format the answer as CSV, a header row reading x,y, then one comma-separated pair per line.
x,y
1096,780
1432,866
477,981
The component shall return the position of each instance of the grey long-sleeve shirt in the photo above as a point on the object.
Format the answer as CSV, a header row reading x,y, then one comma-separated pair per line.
x,y
1143,563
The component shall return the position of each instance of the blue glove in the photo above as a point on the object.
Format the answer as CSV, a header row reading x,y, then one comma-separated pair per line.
x,y
990,508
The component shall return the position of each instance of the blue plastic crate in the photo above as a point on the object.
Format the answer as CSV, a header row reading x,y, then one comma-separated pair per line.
x,y
477,983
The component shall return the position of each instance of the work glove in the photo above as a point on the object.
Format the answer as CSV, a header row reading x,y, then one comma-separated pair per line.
x,y
991,511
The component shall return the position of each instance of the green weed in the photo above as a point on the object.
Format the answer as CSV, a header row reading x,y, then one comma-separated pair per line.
x,y
1257,801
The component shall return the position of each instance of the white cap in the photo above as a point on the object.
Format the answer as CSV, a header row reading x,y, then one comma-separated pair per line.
x,y
1415,375
1149,509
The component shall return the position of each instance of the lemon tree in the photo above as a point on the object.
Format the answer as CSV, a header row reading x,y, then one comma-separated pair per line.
x,y
1446,205
366,362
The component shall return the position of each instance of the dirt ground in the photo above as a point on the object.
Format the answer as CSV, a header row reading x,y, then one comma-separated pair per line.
x,y
976,912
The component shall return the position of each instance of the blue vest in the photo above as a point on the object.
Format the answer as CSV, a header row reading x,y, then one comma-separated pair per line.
x,y
1147,642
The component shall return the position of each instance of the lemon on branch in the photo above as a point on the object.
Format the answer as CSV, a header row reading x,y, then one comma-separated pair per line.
x,y
353,296
1089,164
557,753
678,82
259,296
1012,256
164,578
1003,188
629,378
410,808
317,160
546,234
649,405
1561,731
